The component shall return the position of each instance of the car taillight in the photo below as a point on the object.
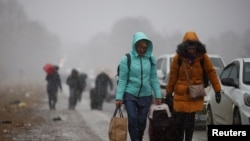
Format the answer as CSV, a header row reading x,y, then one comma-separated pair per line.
x,y
247,99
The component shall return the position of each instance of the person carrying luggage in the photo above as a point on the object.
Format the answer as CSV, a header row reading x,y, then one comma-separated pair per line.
x,y
191,51
101,88
136,85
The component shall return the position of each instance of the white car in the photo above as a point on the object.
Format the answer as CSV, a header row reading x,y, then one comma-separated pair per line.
x,y
163,68
234,107
163,64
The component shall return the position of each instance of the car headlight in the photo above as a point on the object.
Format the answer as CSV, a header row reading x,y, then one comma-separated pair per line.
x,y
247,99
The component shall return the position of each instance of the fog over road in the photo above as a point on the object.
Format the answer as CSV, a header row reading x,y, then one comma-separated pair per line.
x,y
92,37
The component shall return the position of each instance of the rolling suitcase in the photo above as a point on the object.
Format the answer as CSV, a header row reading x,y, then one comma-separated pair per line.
x,y
95,99
160,123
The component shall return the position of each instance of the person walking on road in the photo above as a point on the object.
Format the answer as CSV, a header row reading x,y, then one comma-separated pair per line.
x,y
53,84
82,85
73,83
102,82
136,85
190,52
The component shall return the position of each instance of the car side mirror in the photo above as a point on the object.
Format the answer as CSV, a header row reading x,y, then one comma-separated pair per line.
x,y
228,82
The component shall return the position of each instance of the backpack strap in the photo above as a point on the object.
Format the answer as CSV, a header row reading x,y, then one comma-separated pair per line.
x,y
206,81
202,62
128,61
179,61
128,64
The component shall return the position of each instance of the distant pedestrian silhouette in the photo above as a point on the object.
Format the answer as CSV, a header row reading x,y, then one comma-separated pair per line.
x,y
82,85
101,88
73,83
53,83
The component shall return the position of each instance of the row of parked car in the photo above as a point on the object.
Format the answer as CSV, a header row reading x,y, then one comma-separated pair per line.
x,y
234,77
234,107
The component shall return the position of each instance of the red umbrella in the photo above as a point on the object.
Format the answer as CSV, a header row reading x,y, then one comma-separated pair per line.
x,y
49,68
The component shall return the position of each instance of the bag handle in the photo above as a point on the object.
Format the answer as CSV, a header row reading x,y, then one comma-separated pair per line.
x,y
120,111
186,72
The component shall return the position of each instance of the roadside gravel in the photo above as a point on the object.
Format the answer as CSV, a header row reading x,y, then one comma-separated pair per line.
x,y
35,122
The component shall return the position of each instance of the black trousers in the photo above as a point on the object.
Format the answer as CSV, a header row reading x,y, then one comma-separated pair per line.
x,y
184,126
52,100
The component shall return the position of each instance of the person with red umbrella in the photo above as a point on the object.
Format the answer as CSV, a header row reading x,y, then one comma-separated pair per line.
x,y
53,84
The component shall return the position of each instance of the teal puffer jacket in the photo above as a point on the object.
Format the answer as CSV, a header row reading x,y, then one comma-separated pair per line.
x,y
143,79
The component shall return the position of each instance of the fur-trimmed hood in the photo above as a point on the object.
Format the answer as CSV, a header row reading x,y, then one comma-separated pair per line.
x,y
191,65
190,39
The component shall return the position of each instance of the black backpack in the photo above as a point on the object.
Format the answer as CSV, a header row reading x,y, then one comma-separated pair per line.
x,y
206,81
128,64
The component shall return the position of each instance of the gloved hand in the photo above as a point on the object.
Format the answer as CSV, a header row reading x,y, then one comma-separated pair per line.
x,y
158,101
218,97
118,103
169,101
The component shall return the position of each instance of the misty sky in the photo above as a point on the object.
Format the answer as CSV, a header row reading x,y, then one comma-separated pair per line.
x,y
76,21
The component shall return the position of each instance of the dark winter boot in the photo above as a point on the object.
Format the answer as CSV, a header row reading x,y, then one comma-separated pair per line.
x,y
54,105
50,104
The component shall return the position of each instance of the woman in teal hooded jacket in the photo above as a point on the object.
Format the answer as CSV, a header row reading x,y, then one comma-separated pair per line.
x,y
137,85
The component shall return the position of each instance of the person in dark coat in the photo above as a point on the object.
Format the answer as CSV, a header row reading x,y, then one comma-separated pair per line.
x,y
101,87
53,84
73,83
94,101
82,85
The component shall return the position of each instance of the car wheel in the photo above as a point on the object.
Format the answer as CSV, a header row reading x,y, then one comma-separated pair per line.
x,y
209,116
236,117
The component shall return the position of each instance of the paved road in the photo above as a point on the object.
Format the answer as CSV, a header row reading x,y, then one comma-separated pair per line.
x,y
82,124
99,120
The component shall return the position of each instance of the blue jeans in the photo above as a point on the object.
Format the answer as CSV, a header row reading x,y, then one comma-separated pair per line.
x,y
137,111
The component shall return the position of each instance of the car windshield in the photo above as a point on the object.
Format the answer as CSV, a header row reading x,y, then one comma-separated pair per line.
x,y
246,73
218,64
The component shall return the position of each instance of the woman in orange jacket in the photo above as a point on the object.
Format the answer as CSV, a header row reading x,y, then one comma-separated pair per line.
x,y
190,51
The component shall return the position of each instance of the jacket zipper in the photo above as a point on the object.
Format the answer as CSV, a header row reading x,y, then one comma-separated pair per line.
x,y
141,77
